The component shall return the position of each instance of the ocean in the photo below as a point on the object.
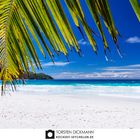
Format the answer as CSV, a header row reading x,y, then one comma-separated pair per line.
x,y
85,82
115,88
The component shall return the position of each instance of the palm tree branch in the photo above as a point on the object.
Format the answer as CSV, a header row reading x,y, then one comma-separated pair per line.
x,y
136,6
24,21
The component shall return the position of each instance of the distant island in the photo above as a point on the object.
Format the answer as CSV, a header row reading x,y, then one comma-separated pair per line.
x,y
37,76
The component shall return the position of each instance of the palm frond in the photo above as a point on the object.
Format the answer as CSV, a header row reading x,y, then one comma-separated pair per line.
x,y
136,6
22,19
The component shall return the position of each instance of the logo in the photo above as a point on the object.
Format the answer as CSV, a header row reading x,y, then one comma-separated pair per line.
x,y
49,134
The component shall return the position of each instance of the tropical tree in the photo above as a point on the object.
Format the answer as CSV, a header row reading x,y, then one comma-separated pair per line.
x,y
24,21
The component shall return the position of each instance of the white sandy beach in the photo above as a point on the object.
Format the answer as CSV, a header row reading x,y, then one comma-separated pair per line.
x,y
35,110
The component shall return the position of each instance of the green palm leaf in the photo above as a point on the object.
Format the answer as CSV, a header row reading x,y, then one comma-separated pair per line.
x,y
136,6
45,19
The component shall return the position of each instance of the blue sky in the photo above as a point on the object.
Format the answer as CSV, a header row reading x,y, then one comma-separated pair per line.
x,y
94,66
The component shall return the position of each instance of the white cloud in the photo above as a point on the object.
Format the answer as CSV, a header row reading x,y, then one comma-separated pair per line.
x,y
124,68
55,64
134,39
82,42
96,75
122,72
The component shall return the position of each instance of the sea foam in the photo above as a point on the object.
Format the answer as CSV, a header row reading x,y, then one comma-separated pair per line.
x,y
116,91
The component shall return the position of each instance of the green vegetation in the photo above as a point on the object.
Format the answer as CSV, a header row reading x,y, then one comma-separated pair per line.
x,y
46,19
136,6
37,76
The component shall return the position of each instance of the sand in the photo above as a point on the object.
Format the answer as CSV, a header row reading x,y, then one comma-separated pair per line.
x,y
68,111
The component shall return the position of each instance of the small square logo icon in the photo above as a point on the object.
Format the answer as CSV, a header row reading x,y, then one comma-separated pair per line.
x,y
50,134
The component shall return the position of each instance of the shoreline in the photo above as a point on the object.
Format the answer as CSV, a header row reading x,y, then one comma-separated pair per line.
x,y
90,90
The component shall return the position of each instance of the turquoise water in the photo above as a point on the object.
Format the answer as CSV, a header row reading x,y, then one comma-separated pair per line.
x,y
85,82
117,88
